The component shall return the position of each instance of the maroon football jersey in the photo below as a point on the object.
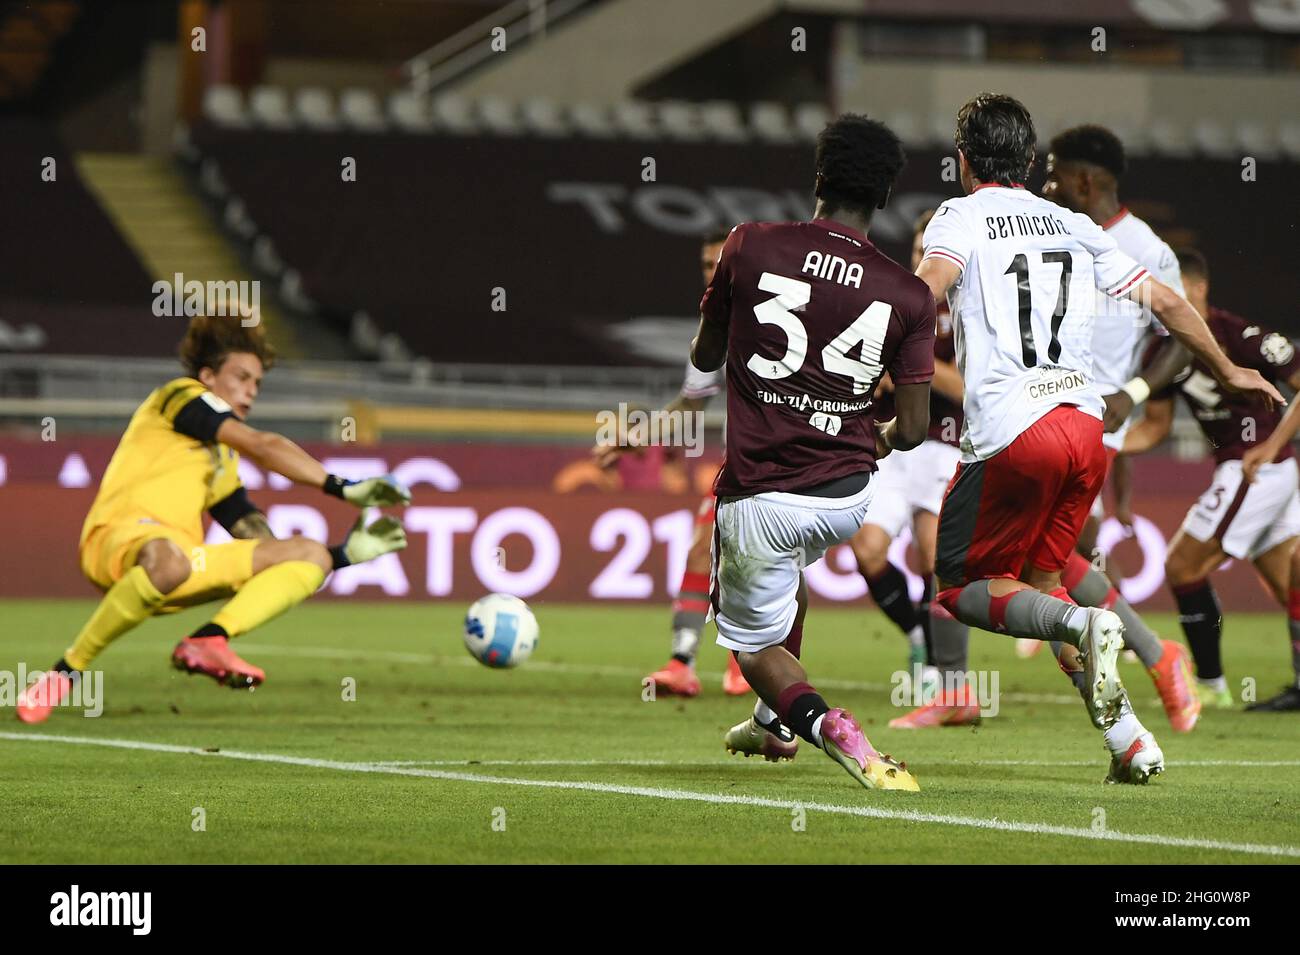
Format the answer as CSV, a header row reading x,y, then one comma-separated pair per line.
x,y
945,414
815,314
1233,423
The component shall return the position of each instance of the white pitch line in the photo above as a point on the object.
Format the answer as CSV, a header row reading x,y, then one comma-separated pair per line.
x,y
932,762
683,795
394,656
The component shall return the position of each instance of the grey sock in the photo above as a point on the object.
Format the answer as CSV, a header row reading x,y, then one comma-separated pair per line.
x,y
949,641
1028,613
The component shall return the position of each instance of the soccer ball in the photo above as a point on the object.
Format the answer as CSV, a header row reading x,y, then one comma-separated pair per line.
x,y
500,631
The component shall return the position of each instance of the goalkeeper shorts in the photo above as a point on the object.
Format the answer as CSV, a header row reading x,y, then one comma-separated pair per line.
x,y
216,570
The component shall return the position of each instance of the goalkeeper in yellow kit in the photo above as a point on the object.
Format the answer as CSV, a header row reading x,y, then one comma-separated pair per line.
x,y
142,542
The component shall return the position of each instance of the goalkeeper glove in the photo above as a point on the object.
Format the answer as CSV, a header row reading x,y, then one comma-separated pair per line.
x,y
366,543
372,492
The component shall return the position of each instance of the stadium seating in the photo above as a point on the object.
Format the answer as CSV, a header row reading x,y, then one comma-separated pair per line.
x,y
677,120
69,274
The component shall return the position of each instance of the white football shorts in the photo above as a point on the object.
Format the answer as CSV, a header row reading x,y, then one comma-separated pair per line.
x,y
1248,519
762,545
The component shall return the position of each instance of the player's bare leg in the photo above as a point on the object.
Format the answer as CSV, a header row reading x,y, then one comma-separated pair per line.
x,y
285,573
1188,566
690,611
160,567
782,685
763,734
1289,699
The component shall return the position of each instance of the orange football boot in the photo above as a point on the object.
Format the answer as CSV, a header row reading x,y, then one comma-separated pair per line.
x,y
733,681
676,679
957,707
1172,675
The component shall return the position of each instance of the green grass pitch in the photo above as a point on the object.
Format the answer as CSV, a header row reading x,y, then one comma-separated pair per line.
x,y
439,759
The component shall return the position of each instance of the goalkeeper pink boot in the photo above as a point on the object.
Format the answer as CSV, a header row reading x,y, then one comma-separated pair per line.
x,y
213,657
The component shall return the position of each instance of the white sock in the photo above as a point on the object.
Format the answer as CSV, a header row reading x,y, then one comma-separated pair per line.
x,y
685,643
916,636
763,714
1217,683
1120,736
1076,622
817,729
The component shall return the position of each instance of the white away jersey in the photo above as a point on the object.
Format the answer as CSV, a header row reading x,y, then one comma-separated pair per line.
x,y
1117,345
1024,307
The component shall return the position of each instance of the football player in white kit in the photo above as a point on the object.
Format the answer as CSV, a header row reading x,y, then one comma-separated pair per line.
x,y
1023,272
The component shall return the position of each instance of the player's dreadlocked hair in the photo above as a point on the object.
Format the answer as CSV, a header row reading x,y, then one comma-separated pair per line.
x,y
1095,145
858,160
211,338
996,135
1191,262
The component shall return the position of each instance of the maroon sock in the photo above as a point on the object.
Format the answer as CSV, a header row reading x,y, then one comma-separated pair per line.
x,y
799,706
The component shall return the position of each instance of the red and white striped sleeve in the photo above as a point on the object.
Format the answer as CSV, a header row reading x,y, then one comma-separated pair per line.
x,y
947,238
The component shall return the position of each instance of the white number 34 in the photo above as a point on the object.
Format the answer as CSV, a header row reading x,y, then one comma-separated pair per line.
x,y
869,329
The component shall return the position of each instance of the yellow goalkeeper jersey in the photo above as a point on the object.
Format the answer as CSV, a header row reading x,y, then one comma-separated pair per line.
x,y
168,468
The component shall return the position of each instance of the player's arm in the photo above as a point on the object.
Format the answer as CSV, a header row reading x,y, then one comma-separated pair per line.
x,y
939,273
948,382
240,516
1121,489
911,422
1187,325
911,370
709,348
1156,423
1167,364
1283,434
275,452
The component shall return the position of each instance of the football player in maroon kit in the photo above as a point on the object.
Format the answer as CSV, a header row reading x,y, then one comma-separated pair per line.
x,y
1252,509
677,677
1022,273
807,316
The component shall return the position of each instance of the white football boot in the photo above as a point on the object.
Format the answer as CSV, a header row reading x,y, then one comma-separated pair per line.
x,y
1099,653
